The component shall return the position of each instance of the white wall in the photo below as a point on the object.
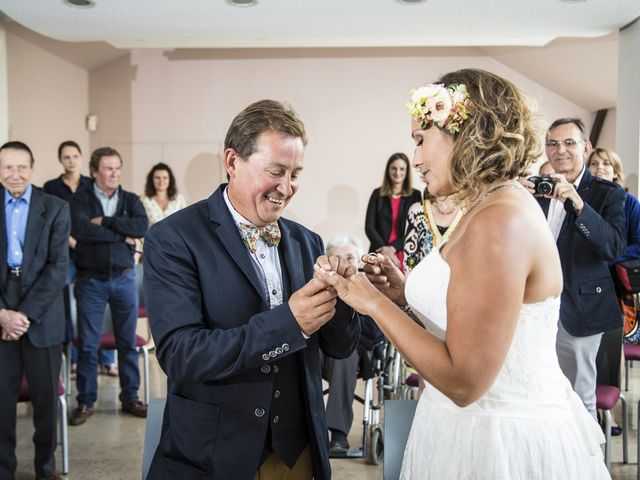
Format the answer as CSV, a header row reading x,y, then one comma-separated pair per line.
x,y
352,102
628,111
48,103
175,106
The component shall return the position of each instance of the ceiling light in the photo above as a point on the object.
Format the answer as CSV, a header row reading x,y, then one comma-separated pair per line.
x,y
243,3
81,3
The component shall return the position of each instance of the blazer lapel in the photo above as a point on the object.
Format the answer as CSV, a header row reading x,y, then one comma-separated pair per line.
x,y
290,248
34,227
227,232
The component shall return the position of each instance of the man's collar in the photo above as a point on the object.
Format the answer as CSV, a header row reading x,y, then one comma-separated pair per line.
x,y
26,195
234,213
98,191
579,178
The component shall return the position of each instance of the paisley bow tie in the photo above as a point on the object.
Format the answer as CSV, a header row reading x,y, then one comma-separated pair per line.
x,y
270,234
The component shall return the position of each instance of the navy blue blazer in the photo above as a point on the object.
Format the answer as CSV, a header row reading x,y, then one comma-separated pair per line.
x,y
586,243
214,333
44,266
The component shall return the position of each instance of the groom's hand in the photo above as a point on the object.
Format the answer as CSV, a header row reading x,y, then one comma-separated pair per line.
x,y
334,263
313,305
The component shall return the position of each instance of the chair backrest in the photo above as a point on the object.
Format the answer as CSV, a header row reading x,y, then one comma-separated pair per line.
x,y
609,357
25,396
398,416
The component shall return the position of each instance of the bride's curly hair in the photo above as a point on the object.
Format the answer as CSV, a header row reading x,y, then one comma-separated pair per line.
x,y
499,140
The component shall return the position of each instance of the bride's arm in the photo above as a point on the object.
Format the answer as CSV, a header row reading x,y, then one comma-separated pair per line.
x,y
489,265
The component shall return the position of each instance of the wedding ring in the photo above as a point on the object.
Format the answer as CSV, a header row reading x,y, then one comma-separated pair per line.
x,y
372,258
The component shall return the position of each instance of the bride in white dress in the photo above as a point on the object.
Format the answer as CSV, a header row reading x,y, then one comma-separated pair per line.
x,y
497,405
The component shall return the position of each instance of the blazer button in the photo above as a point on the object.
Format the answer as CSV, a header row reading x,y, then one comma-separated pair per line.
x,y
276,394
279,350
259,412
276,369
598,290
265,368
272,354
276,419
285,347
265,356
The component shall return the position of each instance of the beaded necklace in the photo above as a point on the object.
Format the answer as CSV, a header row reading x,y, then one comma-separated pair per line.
x,y
438,238
490,191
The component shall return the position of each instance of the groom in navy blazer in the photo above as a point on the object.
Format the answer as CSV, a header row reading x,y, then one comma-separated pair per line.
x,y
586,217
238,317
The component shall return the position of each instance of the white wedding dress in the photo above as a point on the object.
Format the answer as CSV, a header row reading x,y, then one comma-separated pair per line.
x,y
529,425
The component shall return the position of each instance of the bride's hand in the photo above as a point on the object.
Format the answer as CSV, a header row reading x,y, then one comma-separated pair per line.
x,y
385,276
356,291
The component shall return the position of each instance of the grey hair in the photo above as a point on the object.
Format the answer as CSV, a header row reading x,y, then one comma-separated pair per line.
x,y
340,240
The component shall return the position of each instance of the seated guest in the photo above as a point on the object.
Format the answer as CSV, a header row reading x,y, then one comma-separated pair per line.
x,y
342,374
546,168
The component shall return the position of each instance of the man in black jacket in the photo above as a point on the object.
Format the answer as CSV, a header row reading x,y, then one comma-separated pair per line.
x,y
105,220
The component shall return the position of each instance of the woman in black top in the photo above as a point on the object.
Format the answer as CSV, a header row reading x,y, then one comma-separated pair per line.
x,y
387,210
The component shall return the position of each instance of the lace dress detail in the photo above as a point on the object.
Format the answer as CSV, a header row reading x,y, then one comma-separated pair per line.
x,y
529,425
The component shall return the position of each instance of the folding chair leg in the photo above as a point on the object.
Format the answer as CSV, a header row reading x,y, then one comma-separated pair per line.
x,y
607,435
625,430
67,370
64,434
626,375
145,353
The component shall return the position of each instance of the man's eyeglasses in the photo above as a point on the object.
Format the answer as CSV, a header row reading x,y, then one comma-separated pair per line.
x,y
568,143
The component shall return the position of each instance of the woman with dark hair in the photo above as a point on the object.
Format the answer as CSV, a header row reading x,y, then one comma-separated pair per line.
x,y
387,210
497,404
161,197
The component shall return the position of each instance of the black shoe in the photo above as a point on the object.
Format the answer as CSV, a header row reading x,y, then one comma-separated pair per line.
x,y
616,430
338,446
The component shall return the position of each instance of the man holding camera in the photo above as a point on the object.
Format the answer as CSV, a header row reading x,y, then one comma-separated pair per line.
x,y
105,220
586,217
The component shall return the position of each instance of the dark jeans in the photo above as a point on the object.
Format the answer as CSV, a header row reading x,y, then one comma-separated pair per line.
x,y
107,357
92,296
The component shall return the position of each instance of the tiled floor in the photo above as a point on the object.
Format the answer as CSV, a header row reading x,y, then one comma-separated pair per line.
x,y
109,446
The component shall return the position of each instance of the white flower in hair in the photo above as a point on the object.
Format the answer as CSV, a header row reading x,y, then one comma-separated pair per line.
x,y
445,107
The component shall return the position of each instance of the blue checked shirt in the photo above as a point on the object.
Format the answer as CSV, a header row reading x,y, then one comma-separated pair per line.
x,y
16,212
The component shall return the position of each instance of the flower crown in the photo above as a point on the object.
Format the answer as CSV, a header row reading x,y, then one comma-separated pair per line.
x,y
445,107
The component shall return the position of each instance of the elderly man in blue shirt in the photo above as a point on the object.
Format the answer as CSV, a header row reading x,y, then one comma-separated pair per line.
x,y
33,257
